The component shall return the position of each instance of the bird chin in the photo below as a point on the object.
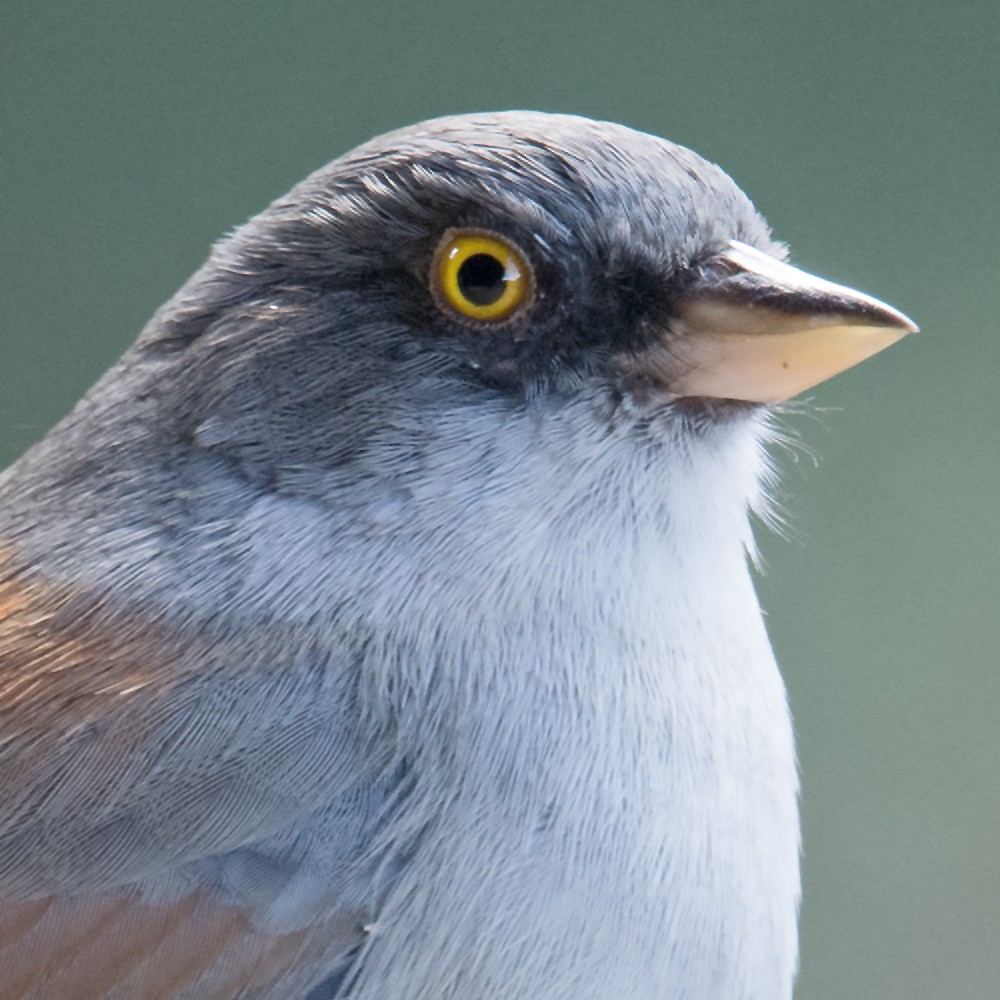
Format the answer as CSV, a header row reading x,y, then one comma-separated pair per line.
x,y
705,417
722,410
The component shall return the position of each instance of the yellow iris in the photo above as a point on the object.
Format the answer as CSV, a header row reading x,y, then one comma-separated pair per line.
x,y
480,276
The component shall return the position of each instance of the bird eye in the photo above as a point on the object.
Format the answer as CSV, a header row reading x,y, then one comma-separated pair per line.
x,y
480,276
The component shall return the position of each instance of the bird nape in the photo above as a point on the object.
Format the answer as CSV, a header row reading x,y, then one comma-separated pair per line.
x,y
380,625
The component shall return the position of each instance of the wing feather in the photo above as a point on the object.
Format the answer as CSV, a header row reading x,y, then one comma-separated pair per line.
x,y
182,815
121,948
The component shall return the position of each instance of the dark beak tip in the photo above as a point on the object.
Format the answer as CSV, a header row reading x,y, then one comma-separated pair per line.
x,y
750,275
880,315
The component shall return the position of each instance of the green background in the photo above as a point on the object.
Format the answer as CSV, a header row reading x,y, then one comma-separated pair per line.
x,y
134,134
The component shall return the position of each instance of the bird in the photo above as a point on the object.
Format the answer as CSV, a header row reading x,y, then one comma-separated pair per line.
x,y
382,623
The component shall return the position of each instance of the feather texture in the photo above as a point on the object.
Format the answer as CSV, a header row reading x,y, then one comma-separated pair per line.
x,y
347,651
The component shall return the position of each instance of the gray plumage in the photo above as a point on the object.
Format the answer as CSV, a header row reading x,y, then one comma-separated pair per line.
x,y
454,659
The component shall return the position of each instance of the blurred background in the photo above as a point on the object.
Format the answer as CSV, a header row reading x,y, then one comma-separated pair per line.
x,y
133,135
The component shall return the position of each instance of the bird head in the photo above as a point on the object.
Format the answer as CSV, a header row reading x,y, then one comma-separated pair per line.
x,y
500,261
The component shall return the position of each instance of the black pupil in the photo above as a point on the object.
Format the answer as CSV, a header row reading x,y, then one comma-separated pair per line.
x,y
481,279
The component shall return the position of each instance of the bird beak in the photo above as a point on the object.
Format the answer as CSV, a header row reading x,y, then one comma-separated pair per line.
x,y
753,328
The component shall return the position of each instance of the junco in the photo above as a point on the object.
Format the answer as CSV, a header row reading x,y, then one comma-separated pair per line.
x,y
379,627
